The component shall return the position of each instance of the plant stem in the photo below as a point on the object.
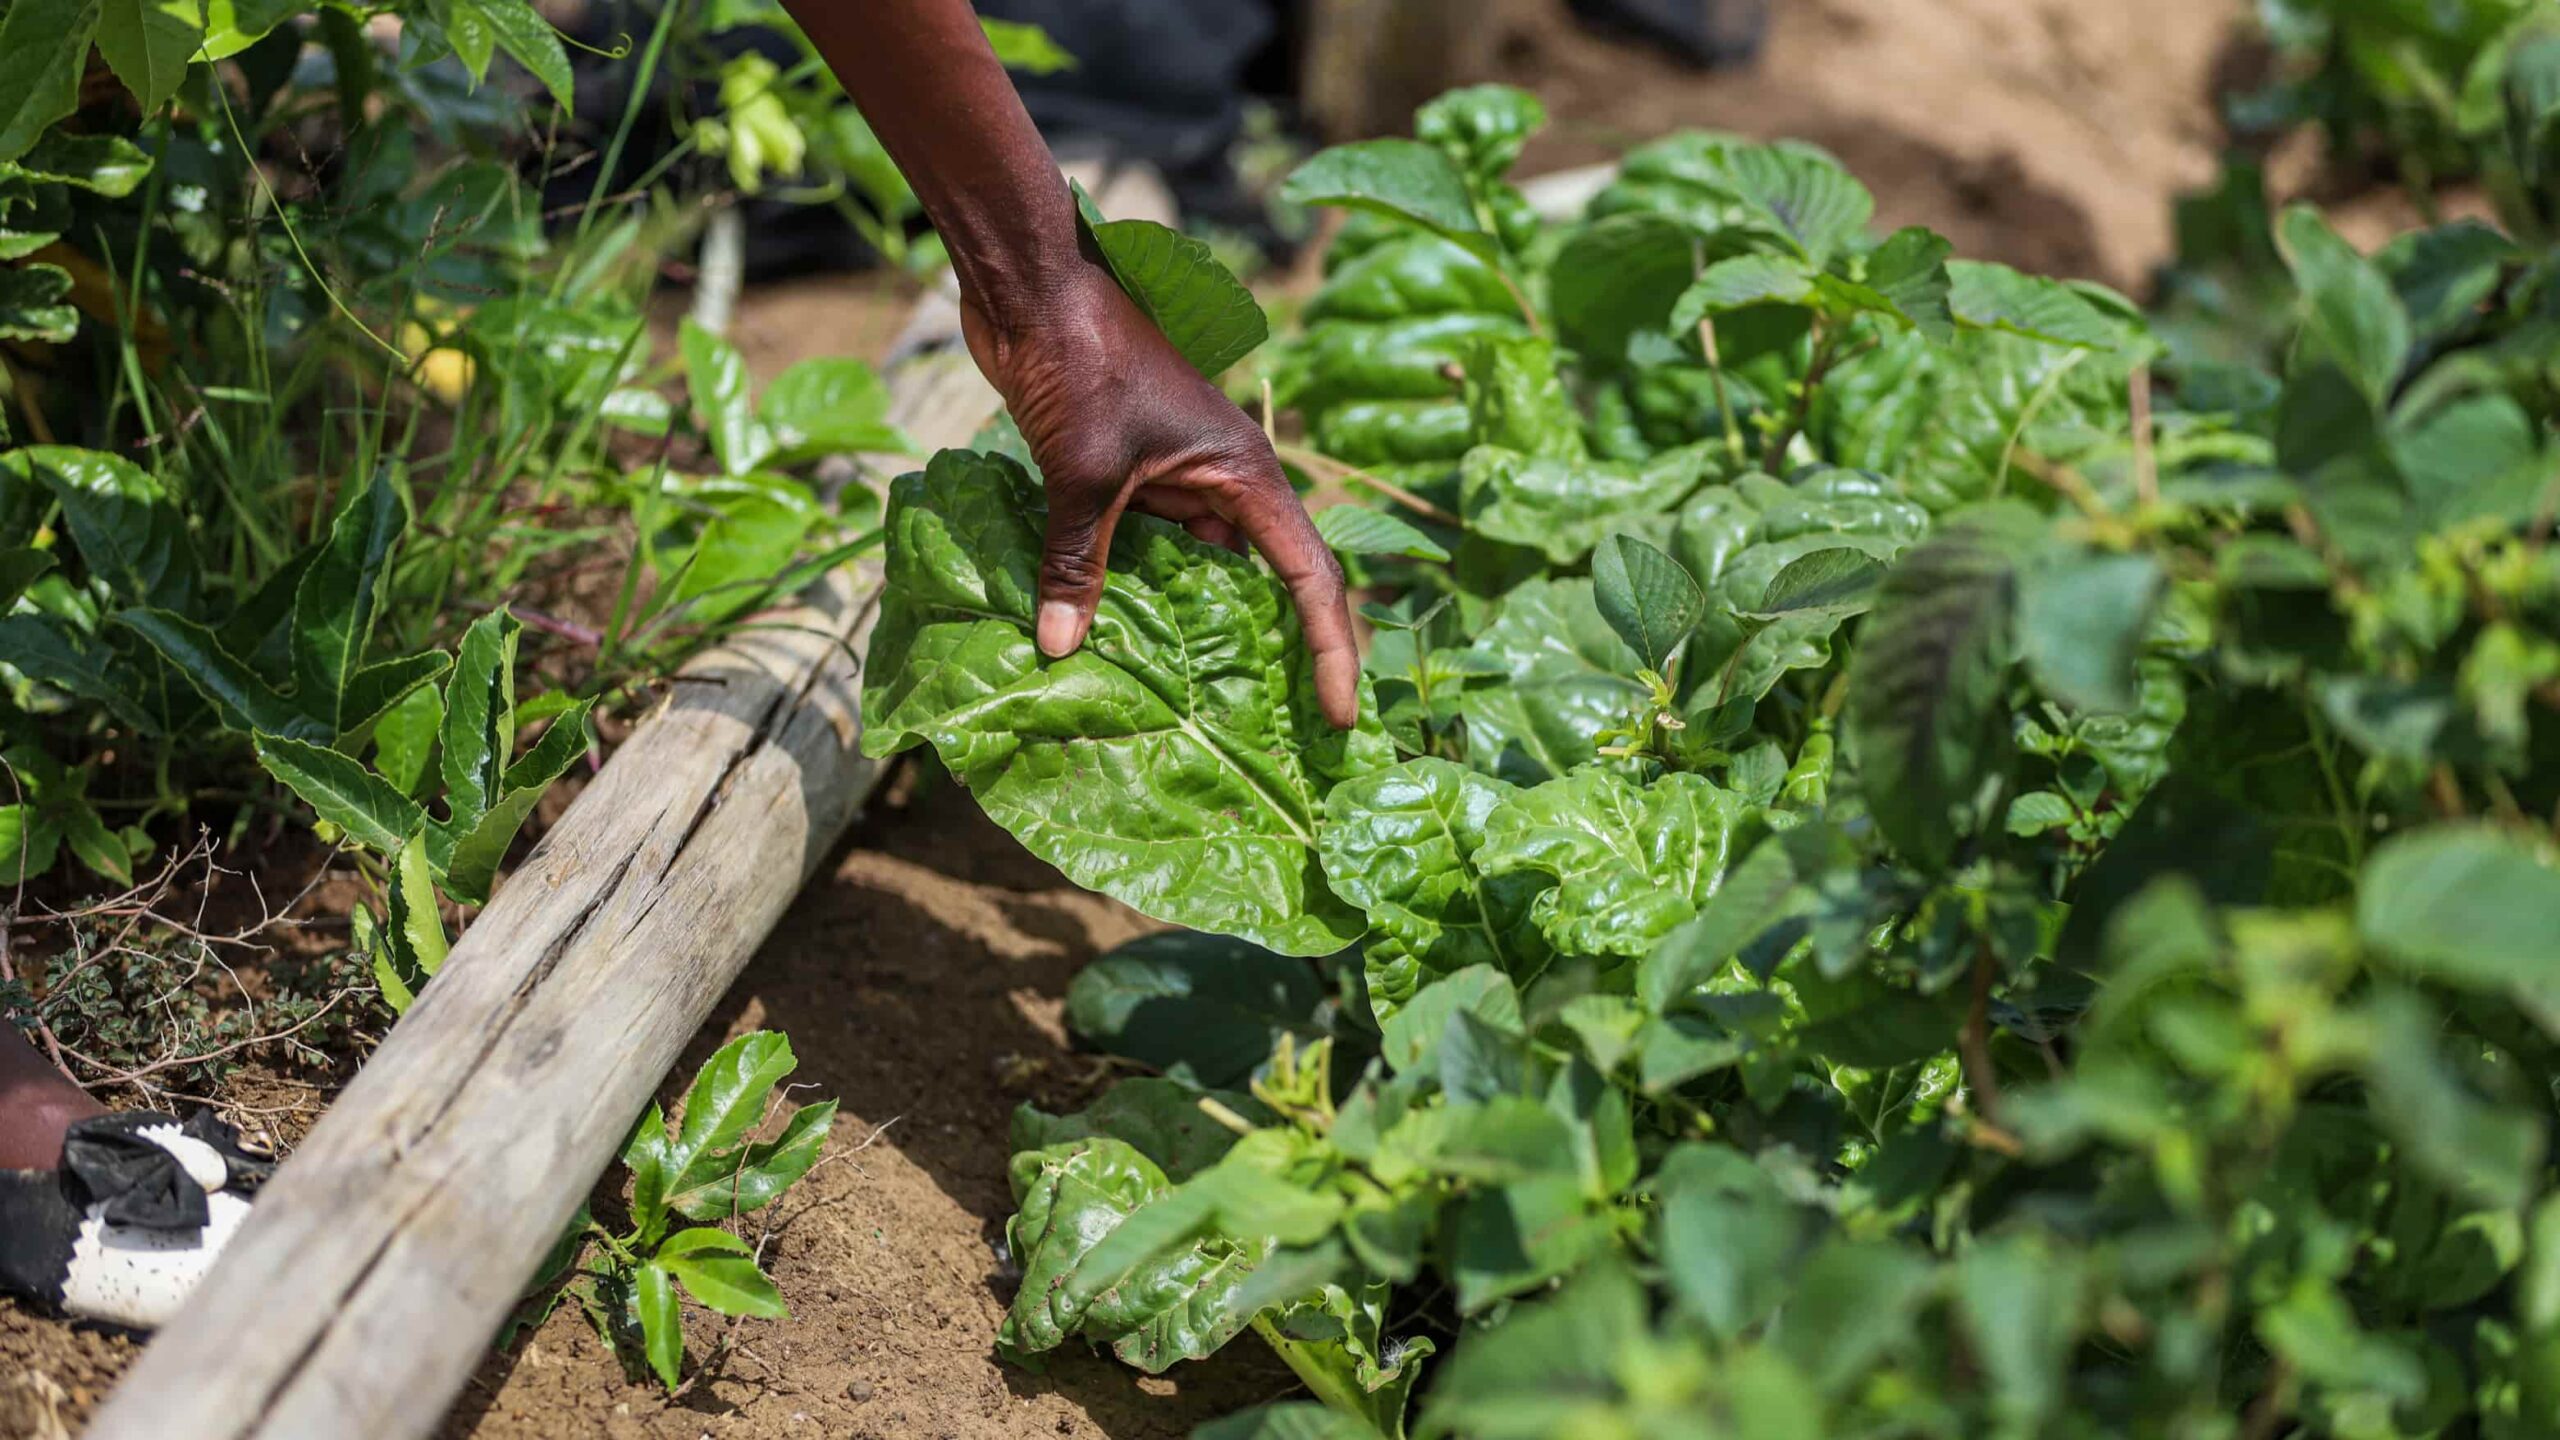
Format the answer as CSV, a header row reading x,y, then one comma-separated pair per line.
x,y
1715,376
1973,1043
1307,459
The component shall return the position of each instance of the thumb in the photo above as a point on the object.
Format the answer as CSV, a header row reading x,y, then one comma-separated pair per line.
x,y
1071,566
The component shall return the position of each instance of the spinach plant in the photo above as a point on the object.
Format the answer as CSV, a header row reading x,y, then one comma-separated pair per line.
x,y
1917,861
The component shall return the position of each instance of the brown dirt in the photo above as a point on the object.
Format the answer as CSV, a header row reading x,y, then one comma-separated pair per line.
x,y
920,983
2051,134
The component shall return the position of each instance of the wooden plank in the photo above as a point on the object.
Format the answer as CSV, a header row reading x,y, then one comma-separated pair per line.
x,y
384,1255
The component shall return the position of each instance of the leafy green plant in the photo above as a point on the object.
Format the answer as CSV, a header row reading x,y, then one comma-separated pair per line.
x,y
1917,861
707,1170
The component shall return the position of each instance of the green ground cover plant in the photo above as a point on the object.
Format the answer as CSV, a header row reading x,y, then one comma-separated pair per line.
x,y
1921,857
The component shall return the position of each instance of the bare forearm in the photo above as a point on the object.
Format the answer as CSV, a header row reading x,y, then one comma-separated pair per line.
x,y
923,75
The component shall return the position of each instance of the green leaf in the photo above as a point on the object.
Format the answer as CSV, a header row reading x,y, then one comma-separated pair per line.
x,y
1797,195
44,45
479,731
1198,304
128,530
1359,530
1742,282
20,567
335,606
1619,277
1025,47
1161,1118
1568,677
1564,508
725,1186
413,909
830,406
343,792
1401,845
404,738
2471,905
30,840
108,165
2082,620
1925,686
525,35
715,376
1731,1241
1104,1255
94,845
1204,1009
1629,863
1760,892
148,43
1540,1366
1177,762
661,1322
1854,1303
1909,270
473,852
1295,1420
2479,1148
1647,597
1410,1037
1402,179
378,688
1984,296
2020,1297
1840,580
238,694
728,1096
721,1274
2350,317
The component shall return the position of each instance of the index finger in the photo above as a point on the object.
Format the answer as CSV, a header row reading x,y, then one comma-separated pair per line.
x,y
1272,517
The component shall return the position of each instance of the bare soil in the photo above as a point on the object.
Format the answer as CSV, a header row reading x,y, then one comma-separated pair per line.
x,y
2050,134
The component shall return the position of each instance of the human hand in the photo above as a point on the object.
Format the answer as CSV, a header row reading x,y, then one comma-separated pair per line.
x,y
1117,419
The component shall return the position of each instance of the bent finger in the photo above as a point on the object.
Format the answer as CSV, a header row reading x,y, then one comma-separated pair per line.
x,y
1271,515
1071,569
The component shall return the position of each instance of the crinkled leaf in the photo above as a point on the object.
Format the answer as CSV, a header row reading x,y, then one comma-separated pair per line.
x,y
1568,677
1797,195
1401,845
1565,507
1759,893
1177,762
1629,862
1161,1118
1620,277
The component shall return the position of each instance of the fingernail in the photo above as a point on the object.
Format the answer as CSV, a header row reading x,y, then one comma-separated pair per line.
x,y
1058,629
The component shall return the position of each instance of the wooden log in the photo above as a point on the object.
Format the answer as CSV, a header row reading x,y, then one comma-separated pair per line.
x,y
381,1260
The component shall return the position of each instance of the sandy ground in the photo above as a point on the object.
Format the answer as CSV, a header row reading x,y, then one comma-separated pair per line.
x,y
2050,134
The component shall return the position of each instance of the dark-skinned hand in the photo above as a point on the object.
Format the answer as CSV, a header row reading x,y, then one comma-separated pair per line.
x,y
1118,420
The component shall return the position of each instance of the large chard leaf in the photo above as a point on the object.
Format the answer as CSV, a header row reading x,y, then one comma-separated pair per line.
x,y
1100,1259
1178,762
1629,862
1565,507
1205,1009
1569,677
1401,844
